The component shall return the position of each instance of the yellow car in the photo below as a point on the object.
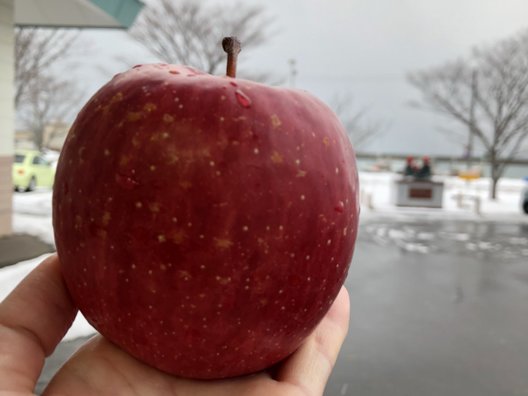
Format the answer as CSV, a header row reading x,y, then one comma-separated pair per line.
x,y
31,170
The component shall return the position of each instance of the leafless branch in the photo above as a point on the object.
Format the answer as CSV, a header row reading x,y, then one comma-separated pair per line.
x,y
359,129
189,32
493,105
36,51
48,101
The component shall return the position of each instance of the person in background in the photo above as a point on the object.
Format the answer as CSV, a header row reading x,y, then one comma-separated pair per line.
x,y
410,167
425,171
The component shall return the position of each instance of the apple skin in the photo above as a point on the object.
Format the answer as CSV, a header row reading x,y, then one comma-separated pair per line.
x,y
204,224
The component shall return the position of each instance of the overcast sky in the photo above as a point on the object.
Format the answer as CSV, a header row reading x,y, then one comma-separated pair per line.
x,y
363,48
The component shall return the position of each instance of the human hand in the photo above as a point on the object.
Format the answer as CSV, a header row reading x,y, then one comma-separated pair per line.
x,y
37,314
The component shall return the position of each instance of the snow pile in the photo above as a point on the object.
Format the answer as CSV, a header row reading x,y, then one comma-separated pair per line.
x,y
377,192
32,214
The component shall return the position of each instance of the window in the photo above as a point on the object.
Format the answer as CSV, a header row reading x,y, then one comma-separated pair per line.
x,y
19,158
39,161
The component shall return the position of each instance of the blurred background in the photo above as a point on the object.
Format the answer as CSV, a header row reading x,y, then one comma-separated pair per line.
x,y
434,98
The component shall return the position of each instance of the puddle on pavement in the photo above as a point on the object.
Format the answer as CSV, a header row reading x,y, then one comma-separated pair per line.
x,y
498,240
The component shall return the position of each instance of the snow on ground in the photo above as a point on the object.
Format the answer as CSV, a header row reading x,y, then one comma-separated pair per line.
x,y
32,215
377,191
12,275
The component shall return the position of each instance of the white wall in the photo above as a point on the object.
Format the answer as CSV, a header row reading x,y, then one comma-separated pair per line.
x,y
7,112
7,74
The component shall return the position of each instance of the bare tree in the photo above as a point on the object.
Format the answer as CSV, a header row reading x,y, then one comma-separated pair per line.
x,y
487,92
36,51
190,31
359,128
48,101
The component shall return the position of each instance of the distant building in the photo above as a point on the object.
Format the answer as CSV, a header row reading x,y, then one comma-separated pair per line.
x,y
24,140
54,137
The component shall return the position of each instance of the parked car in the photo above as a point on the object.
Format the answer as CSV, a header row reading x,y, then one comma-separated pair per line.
x,y
31,170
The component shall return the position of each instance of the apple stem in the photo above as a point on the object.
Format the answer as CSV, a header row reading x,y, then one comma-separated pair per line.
x,y
231,45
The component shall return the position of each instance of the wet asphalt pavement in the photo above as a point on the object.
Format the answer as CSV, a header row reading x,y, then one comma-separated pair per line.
x,y
438,309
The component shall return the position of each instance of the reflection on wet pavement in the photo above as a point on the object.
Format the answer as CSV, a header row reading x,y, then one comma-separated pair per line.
x,y
499,240
436,309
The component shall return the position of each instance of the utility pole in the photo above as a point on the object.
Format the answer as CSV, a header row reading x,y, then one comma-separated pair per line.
x,y
293,71
469,152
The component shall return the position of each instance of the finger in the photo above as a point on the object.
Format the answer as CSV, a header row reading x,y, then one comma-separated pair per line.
x,y
33,320
310,366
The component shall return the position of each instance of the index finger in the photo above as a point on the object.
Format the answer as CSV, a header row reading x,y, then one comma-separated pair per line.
x,y
33,320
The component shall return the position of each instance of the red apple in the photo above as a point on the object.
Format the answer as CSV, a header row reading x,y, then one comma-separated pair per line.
x,y
204,224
